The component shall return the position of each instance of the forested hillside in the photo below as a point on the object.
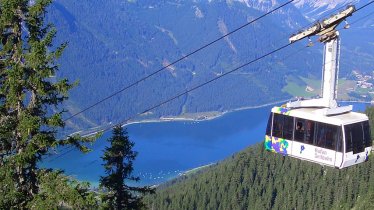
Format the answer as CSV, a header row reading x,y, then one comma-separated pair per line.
x,y
257,179
114,43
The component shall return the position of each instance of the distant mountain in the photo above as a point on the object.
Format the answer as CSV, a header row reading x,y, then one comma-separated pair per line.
x,y
315,9
114,43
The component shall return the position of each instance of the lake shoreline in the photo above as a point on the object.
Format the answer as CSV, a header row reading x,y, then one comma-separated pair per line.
x,y
197,117
189,117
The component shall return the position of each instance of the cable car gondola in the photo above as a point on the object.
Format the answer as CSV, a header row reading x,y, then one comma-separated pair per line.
x,y
318,130
338,141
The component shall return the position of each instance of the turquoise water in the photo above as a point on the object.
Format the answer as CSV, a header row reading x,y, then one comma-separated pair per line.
x,y
167,149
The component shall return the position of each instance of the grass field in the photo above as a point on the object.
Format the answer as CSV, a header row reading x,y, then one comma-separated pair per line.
x,y
299,88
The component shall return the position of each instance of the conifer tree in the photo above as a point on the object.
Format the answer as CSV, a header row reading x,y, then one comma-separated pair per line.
x,y
28,126
118,163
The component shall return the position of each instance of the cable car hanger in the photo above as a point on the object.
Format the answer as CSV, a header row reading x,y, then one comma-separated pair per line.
x,y
326,30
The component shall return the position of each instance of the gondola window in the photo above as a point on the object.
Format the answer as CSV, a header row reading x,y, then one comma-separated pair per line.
x,y
367,135
354,137
326,136
283,126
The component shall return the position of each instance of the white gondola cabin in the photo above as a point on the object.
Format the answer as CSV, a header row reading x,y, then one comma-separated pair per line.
x,y
338,141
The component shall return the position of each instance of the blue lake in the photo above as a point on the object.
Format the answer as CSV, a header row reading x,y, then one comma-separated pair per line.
x,y
166,149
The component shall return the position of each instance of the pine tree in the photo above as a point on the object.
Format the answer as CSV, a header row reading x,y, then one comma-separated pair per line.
x,y
118,162
28,126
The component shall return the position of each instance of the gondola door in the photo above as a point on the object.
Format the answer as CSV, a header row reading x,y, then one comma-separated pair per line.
x,y
303,139
357,143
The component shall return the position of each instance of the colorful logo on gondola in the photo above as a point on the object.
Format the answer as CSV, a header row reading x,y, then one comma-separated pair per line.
x,y
276,144
281,110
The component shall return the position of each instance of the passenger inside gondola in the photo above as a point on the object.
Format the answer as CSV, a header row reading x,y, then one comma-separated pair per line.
x,y
309,132
299,132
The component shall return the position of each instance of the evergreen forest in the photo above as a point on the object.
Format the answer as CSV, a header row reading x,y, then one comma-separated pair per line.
x,y
258,179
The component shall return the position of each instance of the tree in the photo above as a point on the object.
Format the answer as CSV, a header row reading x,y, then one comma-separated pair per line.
x,y
118,162
28,126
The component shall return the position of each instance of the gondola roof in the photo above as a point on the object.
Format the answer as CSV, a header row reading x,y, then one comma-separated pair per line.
x,y
315,114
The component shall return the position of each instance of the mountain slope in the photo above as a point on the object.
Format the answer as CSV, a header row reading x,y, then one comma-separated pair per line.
x,y
256,179
114,43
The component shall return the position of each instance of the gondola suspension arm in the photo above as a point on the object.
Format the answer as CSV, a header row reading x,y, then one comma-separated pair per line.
x,y
326,30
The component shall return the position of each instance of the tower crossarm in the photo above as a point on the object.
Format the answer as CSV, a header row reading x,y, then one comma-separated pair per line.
x,y
325,28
